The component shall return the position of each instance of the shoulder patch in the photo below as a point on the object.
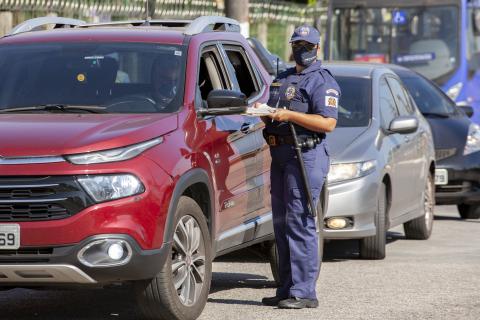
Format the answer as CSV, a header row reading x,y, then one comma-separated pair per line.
x,y
332,91
331,101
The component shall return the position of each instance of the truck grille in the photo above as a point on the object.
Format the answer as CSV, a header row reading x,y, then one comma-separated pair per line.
x,y
40,198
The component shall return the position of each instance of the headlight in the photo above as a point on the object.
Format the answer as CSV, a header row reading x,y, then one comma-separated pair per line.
x,y
110,187
347,171
473,139
454,91
113,155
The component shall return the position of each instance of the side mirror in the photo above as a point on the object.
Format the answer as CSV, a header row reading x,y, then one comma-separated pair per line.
x,y
404,125
224,102
467,109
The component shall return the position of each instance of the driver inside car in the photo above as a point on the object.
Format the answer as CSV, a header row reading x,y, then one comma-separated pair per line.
x,y
164,81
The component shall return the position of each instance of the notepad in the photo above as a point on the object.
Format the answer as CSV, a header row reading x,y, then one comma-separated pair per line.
x,y
262,110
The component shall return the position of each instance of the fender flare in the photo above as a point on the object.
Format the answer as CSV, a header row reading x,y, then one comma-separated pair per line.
x,y
190,178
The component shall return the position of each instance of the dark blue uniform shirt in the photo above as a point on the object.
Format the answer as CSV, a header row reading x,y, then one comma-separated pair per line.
x,y
312,91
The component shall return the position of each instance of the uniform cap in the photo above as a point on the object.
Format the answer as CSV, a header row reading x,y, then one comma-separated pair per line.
x,y
306,33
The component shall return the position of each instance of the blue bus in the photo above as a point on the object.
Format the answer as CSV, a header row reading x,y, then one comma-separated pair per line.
x,y
437,38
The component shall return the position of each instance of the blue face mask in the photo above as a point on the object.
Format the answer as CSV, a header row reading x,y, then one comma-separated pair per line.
x,y
304,57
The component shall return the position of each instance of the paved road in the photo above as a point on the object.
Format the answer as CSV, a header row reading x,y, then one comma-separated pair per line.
x,y
434,279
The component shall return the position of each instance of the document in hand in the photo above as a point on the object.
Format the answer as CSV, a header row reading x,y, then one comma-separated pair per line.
x,y
262,110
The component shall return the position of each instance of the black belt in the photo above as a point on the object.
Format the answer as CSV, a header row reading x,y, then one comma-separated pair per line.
x,y
274,140
307,141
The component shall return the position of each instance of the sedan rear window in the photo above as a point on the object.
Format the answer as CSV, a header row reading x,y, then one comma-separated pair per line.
x,y
118,77
354,108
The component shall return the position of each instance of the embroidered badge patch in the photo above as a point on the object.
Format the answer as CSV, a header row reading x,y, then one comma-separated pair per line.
x,y
332,91
290,93
304,31
331,101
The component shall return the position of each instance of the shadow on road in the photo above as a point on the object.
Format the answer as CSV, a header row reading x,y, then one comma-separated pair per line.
x,y
458,219
67,304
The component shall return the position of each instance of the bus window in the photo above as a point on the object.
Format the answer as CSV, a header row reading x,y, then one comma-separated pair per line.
x,y
424,38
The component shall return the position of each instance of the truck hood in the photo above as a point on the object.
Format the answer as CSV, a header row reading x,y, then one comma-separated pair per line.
x,y
31,135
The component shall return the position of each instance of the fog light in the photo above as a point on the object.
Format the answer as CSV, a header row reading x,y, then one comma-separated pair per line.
x,y
105,253
115,251
336,223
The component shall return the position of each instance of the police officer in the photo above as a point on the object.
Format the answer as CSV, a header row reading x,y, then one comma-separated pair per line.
x,y
306,95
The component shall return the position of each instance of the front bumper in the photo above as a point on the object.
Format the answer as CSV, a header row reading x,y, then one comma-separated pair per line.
x,y
141,216
357,200
463,180
61,265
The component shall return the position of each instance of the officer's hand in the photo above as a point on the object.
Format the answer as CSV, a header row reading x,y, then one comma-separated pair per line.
x,y
281,115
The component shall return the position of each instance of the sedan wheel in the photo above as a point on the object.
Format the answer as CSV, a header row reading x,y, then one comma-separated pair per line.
x,y
421,227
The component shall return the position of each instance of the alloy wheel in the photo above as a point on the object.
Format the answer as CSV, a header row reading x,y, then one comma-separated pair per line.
x,y
429,203
188,260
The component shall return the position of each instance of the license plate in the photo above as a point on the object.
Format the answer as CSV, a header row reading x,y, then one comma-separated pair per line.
x,y
9,236
441,176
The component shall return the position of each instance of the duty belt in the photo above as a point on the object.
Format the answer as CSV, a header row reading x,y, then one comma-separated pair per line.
x,y
306,142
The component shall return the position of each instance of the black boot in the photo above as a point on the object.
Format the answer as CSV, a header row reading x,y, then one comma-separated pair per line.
x,y
297,303
271,301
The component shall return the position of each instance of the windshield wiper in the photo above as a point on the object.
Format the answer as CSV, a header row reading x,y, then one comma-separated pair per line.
x,y
434,114
55,108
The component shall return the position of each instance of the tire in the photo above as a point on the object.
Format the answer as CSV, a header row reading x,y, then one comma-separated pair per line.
x,y
469,211
272,252
421,228
373,248
158,298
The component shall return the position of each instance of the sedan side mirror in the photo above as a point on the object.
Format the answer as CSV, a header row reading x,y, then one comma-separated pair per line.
x,y
404,125
467,109
224,102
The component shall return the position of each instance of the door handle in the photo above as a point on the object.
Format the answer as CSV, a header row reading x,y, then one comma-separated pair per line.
x,y
247,127
407,139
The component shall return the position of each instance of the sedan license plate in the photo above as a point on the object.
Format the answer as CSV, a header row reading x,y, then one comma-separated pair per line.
x,y
441,176
9,236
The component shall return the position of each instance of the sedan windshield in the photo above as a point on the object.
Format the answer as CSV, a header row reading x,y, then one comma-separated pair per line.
x,y
422,38
430,100
354,108
81,77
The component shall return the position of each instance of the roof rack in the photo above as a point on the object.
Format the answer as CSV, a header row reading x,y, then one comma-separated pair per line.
x,y
212,23
57,22
189,27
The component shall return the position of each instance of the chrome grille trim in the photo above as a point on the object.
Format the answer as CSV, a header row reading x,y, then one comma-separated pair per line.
x,y
14,201
28,186
31,160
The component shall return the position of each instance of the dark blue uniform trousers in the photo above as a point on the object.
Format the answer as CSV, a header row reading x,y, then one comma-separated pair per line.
x,y
295,230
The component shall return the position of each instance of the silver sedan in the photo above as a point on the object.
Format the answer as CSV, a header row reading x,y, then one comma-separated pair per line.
x,y
382,161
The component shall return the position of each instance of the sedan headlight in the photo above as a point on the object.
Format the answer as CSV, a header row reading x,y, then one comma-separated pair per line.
x,y
473,139
113,155
110,187
347,171
454,91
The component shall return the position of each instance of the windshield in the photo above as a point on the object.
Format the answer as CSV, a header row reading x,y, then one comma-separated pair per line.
x,y
354,108
422,38
118,77
429,99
